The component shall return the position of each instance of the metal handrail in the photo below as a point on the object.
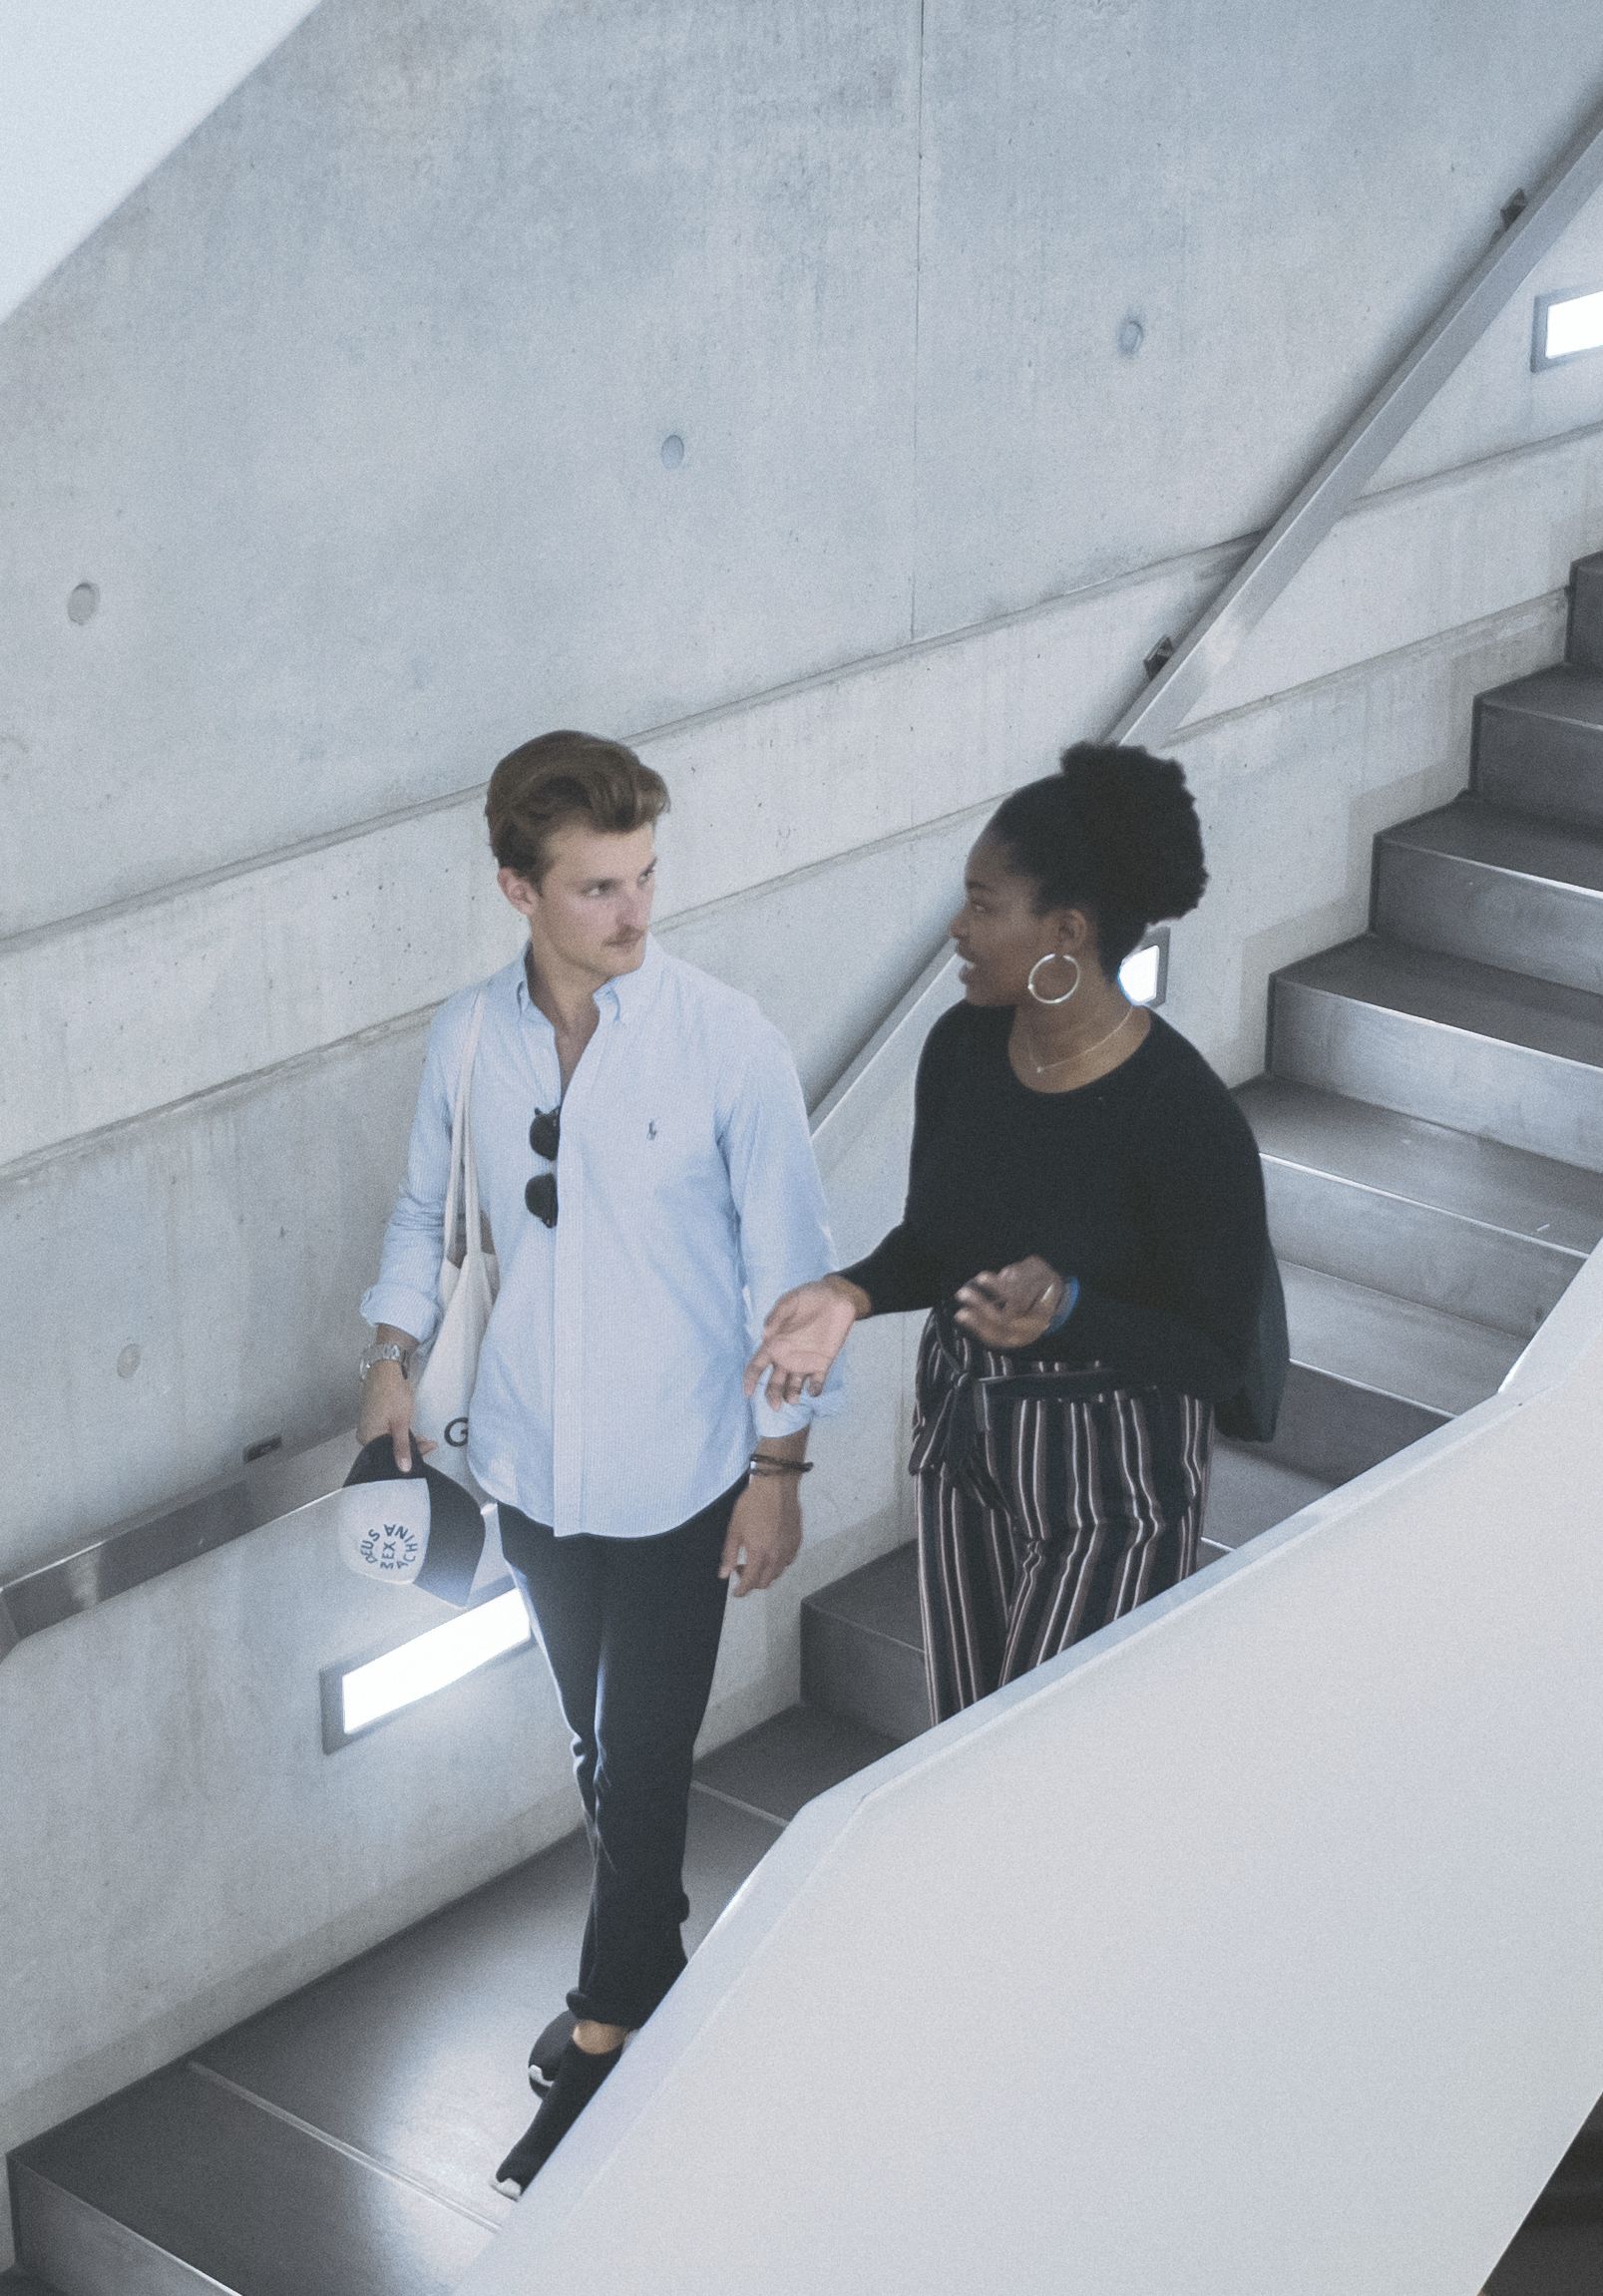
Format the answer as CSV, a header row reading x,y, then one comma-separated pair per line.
x,y
130,1552
1323,498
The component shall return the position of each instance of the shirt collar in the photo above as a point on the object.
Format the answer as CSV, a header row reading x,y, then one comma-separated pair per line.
x,y
626,994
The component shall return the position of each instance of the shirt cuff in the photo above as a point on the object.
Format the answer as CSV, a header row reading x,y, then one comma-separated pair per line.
x,y
400,1306
1065,1306
774,1419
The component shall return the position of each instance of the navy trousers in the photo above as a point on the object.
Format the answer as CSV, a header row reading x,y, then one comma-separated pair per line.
x,y
631,1628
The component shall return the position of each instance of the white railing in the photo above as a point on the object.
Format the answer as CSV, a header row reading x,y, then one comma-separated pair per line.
x,y
1251,1947
93,95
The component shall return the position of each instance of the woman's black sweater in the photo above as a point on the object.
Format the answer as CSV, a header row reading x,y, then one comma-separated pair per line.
x,y
1145,1185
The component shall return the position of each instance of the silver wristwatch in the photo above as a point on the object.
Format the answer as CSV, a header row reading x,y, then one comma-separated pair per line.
x,y
388,1351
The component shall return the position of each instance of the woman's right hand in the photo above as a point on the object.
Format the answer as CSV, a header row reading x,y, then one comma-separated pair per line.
x,y
804,1332
386,1410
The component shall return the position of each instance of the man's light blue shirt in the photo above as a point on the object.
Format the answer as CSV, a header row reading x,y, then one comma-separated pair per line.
x,y
608,1395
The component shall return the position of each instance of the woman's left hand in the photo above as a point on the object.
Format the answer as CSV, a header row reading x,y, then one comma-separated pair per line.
x,y
1013,1308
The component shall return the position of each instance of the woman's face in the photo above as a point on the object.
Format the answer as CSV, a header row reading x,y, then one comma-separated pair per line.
x,y
1000,934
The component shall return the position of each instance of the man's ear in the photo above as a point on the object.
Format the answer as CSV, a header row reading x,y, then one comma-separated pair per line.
x,y
517,890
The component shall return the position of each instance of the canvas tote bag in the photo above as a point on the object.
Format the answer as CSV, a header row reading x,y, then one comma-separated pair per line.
x,y
467,1293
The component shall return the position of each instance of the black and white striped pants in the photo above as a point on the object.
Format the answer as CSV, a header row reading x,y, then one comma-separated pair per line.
x,y
1050,1501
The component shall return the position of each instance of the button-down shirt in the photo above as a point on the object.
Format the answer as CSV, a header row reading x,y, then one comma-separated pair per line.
x,y
609,1397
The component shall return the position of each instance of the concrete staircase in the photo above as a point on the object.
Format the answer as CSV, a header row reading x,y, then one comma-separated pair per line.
x,y
1432,1127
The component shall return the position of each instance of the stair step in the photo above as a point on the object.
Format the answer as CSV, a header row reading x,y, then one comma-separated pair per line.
x,y
862,1648
1250,1491
343,2139
863,1637
1445,1363
783,1763
1459,1044
1583,649
1501,888
1401,1205
180,2185
1371,1372
1538,745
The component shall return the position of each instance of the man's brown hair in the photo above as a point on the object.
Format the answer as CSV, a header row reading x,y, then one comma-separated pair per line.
x,y
563,777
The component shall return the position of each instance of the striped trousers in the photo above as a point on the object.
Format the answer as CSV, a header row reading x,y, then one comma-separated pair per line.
x,y
1050,1501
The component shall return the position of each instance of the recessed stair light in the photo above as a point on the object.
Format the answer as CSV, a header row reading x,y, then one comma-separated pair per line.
x,y
1566,325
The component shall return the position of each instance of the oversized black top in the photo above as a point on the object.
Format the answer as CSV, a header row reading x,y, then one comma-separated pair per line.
x,y
1145,1185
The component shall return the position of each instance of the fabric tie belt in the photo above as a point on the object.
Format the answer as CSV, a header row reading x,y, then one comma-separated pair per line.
x,y
962,1387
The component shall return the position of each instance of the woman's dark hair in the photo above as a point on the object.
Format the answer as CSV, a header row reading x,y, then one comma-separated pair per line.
x,y
1113,832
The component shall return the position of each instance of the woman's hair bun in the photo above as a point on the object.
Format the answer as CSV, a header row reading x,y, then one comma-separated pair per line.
x,y
1114,829
1140,823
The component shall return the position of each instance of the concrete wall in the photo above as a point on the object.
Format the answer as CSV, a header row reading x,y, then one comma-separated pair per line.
x,y
353,416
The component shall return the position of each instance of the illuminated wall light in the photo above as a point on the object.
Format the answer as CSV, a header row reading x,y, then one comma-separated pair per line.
x,y
1566,325
1144,975
355,1698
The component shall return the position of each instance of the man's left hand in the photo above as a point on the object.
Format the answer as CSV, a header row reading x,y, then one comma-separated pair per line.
x,y
765,1533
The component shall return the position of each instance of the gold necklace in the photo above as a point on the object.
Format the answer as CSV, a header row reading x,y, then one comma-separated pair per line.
x,y
1045,1067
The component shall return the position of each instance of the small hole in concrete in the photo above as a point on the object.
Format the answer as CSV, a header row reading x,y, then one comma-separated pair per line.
x,y
672,451
128,1362
1131,336
83,601
264,1449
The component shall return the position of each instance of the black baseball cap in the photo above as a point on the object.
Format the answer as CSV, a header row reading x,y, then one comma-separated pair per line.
x,y
455,1532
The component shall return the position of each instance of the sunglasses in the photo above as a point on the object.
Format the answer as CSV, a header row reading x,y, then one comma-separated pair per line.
x,y
545,1134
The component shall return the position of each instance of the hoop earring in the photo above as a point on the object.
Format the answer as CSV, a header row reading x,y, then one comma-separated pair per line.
x,y
1054,956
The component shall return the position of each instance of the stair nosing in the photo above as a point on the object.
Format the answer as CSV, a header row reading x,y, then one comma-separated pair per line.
x,y
749,1808
1515,700
858,1626
200,2277
1293,978
340,2145
1421,1203
1398,839
1496,869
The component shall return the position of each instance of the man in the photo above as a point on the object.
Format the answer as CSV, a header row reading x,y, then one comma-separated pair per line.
x,y
643,1159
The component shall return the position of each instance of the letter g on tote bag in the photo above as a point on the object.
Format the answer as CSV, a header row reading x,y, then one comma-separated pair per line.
x,y
467,1292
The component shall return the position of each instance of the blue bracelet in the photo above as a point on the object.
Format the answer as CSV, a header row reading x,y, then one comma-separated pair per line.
x,y
1065,1306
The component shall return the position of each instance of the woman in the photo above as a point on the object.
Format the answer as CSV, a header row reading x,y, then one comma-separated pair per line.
x,y
1086,1218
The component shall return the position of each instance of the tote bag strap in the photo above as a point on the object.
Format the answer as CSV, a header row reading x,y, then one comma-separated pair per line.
x,y
471,1233
463,1180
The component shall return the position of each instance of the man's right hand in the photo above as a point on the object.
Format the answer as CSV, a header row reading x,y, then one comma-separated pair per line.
x,y
802,1337
387,1410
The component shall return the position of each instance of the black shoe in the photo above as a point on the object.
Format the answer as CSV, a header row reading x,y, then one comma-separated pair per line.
x,y
546,2053
580,2073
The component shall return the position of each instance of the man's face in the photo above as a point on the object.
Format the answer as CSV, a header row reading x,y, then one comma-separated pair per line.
x,y
591,910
